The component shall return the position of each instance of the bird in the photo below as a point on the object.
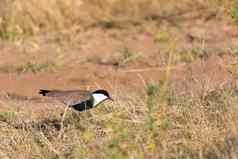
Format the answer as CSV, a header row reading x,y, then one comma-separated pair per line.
x,y
79,100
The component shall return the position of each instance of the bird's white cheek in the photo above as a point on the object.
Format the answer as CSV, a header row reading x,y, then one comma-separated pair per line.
x,y
98,98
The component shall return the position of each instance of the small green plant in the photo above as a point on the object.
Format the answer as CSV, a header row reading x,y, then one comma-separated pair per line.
x,y
161,36
234,13
171,98
36,67
235,71
152,92
9,28
78,151
189,56
166,123
8,117
233,52
115,149
29,67
127,56
8,35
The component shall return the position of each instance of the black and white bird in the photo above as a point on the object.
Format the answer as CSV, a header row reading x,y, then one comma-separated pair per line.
x,y
78,99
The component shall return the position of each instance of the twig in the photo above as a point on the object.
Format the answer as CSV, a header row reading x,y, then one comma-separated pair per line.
x,y
149,69
49,144
62,122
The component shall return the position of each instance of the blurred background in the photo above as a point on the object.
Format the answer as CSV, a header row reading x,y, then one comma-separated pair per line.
x,y
182,49
109,43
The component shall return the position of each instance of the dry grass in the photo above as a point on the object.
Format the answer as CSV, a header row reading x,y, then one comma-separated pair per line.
x,y
133,127
30,67
159,124
19,20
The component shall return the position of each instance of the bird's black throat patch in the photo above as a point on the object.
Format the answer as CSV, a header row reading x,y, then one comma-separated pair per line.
x,y
88,104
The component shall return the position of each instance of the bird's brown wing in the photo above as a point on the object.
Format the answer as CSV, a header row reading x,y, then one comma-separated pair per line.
x,y
68,97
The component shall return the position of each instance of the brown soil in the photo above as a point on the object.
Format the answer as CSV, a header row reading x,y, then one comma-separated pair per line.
x,y
92,58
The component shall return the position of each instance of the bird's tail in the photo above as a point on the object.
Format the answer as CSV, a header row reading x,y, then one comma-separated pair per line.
x,y
44,92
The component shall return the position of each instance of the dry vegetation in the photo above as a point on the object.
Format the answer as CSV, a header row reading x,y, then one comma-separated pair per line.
x,y
133,127
33,17
158,122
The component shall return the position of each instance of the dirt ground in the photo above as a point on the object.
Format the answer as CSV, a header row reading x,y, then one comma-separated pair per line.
x,y
94,58
173,72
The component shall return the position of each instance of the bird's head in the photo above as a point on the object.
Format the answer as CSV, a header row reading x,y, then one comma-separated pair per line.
x,y
100,96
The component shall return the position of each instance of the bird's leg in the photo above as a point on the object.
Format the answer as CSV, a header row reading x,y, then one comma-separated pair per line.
x,y
62,122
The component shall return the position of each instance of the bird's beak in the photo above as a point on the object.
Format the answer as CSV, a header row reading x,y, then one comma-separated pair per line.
x,y
111,99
